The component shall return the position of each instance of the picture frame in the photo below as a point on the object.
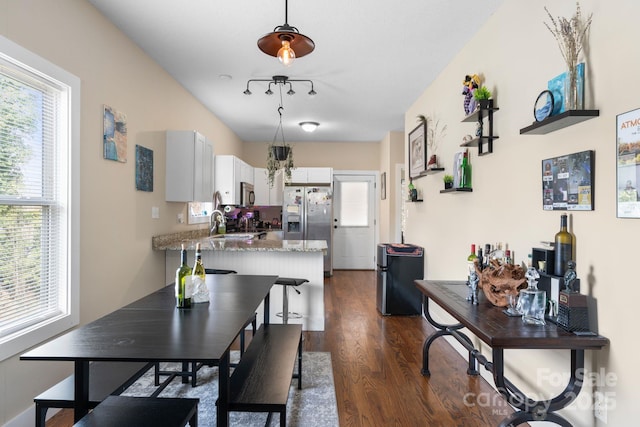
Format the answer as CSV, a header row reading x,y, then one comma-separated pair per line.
x,y
628,164
144,169
418,151
383,186
567,182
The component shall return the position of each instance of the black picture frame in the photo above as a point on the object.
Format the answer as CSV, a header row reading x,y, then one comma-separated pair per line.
x,y
567,182
417,142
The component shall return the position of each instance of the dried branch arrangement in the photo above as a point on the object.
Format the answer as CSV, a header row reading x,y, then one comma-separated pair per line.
x,y
570,34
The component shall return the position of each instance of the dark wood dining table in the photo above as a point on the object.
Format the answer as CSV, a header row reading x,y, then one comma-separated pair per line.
x,y
152,329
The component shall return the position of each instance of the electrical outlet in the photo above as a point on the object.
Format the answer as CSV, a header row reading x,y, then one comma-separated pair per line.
x,y
155,213
600,406
180,218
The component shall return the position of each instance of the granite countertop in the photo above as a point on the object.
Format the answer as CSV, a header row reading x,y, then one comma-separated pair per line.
x,y
173,242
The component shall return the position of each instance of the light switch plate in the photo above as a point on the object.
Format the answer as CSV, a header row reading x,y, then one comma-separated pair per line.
x,y
155,212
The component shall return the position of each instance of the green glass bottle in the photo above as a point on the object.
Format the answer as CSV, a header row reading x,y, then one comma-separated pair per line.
x,y
198,273
183,281
563,248
465,171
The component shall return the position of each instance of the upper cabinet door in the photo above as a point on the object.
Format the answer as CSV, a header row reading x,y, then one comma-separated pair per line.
x,y
189,167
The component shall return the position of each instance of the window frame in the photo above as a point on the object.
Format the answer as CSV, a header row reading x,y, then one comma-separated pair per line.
x,y
27,337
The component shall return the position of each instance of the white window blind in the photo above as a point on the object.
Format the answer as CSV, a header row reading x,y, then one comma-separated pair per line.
x,y
35,205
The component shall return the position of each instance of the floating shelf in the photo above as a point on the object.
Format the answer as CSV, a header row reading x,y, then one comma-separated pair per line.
x,y
457,190
473,117
428,172
478,116
479,141
559,121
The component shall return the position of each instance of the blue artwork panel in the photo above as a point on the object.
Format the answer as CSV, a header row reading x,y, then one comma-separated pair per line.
x,y
144,169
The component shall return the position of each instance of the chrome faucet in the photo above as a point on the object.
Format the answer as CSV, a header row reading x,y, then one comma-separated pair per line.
x,y
217,218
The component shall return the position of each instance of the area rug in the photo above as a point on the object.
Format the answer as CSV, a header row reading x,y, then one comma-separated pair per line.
x,y
314,405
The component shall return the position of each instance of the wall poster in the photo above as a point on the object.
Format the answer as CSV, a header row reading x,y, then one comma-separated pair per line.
x,y
567,182
628,163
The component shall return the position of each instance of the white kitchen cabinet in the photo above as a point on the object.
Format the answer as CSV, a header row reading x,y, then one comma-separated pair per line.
x,y
311,176
230,171
265,195
189,167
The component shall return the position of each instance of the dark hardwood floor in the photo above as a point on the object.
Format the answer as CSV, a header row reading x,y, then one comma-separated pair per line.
x,y
376,366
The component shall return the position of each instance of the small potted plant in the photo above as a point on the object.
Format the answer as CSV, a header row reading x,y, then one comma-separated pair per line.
x,y
448,181
483,96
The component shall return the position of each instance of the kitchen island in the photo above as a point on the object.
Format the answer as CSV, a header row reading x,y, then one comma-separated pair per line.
x,y
247,254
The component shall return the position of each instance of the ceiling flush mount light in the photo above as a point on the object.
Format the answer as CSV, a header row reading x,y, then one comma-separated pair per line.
x,y
309,126
285,42
279,80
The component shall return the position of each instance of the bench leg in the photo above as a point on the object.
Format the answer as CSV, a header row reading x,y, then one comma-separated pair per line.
x,y
300,363
283,418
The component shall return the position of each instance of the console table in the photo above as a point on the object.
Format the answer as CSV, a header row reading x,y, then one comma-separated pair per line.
x,y
501,332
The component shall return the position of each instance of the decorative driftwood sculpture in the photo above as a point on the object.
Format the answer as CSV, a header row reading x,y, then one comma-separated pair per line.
x,y
497,280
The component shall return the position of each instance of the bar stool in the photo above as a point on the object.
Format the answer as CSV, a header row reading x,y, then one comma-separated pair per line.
x,y
288,282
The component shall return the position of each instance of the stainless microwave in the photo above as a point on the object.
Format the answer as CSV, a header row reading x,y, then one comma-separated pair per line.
x,y
247,196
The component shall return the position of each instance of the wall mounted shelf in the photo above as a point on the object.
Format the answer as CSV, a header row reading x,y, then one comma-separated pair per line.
x,y
562,120
478,116
457,190
415,201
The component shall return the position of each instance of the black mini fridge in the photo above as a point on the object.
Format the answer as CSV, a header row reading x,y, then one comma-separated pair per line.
x,y
398,265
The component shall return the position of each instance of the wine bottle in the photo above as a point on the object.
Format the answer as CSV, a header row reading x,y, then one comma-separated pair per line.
x,y
480,260
471,259
413,193
198,273
465,171
563,248
183,281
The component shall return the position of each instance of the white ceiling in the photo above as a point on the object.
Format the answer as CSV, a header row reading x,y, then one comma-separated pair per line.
x,y
373,58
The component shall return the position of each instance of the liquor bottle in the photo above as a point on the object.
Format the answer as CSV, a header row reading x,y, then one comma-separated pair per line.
x,y
183,281
471,258
198,273
465,171
563,248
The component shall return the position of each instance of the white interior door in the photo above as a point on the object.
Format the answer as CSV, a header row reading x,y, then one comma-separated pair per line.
x,y
354,221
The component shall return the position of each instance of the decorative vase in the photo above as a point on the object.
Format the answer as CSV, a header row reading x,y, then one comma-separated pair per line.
x,y
486,104
280,152
448,185
573,97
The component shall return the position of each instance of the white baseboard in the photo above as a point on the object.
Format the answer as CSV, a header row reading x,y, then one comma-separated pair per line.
x,y
26,418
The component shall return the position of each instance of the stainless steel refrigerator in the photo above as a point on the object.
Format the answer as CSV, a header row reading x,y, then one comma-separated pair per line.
x,y
307,214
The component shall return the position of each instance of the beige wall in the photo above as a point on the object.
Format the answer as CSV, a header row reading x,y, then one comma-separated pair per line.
x,y
338,155
517,55
391,153
116,224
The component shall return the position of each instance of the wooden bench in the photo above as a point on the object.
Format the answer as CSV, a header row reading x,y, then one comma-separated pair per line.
x,y
106,378
262,379
121,411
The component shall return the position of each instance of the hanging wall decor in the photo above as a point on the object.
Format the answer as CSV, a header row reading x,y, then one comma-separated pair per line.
x,y
114,141
418,150
567,182
144,169
628,163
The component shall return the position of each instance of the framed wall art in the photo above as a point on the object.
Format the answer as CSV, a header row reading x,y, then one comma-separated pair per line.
x,y
628,164
144,169
418,150
567,182
114,138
